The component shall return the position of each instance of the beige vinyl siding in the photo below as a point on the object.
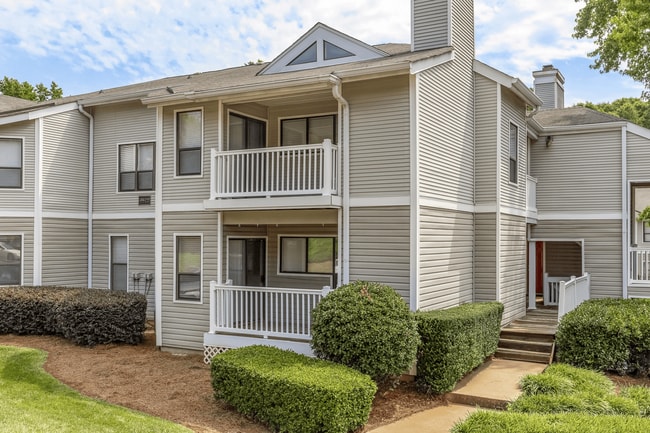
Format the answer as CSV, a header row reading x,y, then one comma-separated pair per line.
x,y
485,157
184,323
195,188
446,245
21,199
114,125
563,259
602,250
24,226
430,24
546,93
513,195
638,157
65,252
485,253
380,246
65,162
379,137
513,272
141,249
565,184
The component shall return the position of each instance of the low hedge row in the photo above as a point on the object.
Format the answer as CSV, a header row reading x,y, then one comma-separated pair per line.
x,y
84,316
607,335
454,342
292,392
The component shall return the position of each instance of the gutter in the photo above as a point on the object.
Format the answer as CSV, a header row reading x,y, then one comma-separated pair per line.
x,y
91,173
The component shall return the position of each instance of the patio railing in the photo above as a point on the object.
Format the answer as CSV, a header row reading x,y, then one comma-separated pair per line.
x,y
639,265
573,293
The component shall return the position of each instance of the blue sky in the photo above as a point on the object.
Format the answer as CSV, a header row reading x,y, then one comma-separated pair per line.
x,y
86,45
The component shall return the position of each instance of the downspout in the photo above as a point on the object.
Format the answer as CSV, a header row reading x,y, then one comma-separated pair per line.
x,y
91,174
344,176
624,211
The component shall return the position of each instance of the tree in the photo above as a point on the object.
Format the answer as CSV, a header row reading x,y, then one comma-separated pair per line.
x,y
25,90
633,109
621,30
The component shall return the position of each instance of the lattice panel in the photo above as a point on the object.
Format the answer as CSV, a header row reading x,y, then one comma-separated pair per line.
x,y
210,352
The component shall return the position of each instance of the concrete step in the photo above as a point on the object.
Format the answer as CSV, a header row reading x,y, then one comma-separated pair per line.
x,y
522,355
527,345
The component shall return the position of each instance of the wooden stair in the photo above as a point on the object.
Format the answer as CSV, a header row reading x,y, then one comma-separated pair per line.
x,y
531,338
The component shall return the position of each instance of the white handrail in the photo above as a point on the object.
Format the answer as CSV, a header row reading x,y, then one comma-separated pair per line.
x,y
639,265
573,293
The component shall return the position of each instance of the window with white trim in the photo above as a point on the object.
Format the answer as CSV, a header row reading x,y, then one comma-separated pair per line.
x,y
119,263
11,257
189,142
136,162
307,255
188,268
514,152
308,130
11,163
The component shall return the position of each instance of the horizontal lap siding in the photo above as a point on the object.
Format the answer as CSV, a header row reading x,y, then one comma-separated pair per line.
x,y
486,140
380,246
513,195
379,137
485,265
21,199
114,125
65,162
430,24
65,252
578,173
602,250
638,157
513,273
24,226
546,92
446,258
183,324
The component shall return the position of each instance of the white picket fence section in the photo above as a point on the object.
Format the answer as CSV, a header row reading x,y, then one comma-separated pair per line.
x,y
573,293
552,289
639,265
263,311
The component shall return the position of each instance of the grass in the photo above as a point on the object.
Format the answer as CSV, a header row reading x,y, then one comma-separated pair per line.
x,y
33,401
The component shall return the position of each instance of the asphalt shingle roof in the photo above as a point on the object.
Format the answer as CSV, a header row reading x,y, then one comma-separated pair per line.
x,y
573,116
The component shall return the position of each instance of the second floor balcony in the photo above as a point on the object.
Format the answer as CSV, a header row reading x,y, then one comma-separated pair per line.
x,y
275,177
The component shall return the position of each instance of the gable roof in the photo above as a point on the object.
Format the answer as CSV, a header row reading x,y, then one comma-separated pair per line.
x,y
10,103
321,46
573,116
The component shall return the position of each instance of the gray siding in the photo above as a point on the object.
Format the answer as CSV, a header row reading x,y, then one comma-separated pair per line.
x,y
602,250
380,246
563,259
65,162
379,137
446,243
566,184
485,157
21,199
546,92
485,264
638,157
513,195
114,125
24,226
431,24
65,252
512,267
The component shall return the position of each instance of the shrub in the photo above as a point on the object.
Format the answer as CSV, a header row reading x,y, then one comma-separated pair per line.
x,y
607,334
454,342
366,326
292,392
84,316
641,395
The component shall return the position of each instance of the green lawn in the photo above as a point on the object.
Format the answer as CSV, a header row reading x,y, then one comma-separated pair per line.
x,y
33,401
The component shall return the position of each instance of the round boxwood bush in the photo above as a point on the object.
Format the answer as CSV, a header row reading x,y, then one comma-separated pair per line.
x,y
366,326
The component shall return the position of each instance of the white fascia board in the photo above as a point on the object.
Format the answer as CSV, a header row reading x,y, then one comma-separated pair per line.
x,y
580,129
515,84
424,64
38,114
638,130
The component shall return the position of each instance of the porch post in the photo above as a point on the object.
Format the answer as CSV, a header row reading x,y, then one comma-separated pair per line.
x,y
328,164
532,262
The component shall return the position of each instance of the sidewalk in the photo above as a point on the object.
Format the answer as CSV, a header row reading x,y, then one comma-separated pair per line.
x,y
490,386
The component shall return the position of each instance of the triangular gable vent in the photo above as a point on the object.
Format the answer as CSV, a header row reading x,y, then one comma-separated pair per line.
x,y
321,46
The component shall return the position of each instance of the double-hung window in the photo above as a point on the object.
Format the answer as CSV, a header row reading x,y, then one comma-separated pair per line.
x,y
308,130
514,152
245,132
11,259
189,141
11,163
119,263
136,167
307,255
188,267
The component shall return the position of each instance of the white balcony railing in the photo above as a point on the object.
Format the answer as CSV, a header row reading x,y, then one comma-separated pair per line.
x,y
263,311
573,293
531,196
639,265
275,171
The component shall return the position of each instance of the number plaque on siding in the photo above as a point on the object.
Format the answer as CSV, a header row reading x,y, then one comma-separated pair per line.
x,y
144,199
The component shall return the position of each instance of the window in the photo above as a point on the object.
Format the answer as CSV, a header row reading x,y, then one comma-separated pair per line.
x,y
245,132
307,255
11,163
189,139
11,259
119,263
331,51
136,167
188,268
307,56
514,150
308,130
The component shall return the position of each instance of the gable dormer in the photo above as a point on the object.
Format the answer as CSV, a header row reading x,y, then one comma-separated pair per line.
x,y
321,46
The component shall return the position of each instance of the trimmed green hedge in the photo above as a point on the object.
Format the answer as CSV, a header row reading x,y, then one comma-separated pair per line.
x,y
454,342
607,335
292,392
84,316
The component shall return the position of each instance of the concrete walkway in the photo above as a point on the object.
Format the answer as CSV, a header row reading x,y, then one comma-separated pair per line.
x,y
490,386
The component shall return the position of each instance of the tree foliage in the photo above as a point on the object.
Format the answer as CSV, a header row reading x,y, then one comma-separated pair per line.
x,y
633,109
25,90
621,31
